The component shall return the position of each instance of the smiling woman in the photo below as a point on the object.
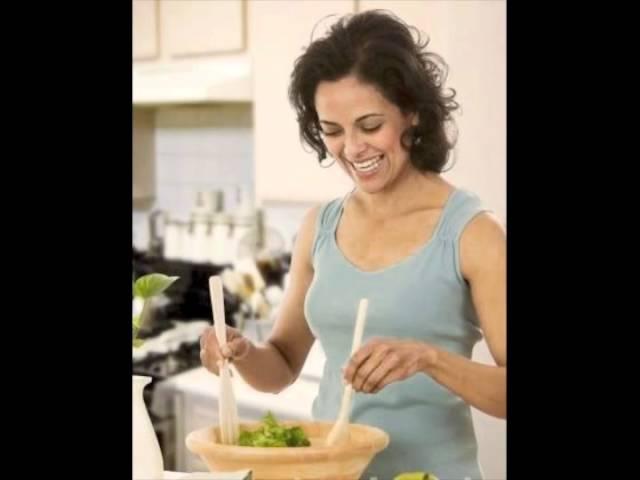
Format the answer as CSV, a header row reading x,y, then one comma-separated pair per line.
x,y
364,132
427,254
405,82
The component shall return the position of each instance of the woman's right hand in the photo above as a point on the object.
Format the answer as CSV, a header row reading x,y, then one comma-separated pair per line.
x,y
211,355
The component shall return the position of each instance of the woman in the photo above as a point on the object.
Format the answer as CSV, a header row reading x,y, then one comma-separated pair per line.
x,y
427,255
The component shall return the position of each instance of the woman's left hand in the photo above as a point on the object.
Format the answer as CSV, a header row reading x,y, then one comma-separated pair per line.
x,y
382,361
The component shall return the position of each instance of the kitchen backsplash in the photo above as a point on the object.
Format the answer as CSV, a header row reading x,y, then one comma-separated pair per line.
x,y
207,148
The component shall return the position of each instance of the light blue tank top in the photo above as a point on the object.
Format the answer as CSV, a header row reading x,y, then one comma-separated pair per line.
x,y
423,297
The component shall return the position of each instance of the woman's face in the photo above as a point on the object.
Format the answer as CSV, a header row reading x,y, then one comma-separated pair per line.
x,y
362,130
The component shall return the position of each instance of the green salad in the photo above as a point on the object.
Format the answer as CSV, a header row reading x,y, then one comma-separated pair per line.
x,y
272,434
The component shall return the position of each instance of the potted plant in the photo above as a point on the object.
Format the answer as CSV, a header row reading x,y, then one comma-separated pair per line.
x,y
147,456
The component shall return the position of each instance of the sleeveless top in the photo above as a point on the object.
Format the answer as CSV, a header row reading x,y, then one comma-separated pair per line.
x,y
423,297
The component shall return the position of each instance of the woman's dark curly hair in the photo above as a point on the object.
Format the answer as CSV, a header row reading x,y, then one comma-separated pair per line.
x,y
379,49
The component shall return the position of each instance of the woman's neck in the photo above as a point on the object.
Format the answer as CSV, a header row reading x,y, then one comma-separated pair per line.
x,y
416,191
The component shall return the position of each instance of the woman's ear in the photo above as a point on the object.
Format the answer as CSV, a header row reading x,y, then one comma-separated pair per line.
x,y
415,119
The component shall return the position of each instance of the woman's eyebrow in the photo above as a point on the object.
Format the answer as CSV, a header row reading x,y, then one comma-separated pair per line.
x,y
357,119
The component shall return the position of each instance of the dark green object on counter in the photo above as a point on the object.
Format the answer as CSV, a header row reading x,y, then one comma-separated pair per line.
x,y
272,434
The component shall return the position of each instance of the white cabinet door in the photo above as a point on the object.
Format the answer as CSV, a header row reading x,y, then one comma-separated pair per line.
x,y
198,413
145,30
196,28
189,51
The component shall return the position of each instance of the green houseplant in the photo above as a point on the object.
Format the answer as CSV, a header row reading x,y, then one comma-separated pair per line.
x,y
144,289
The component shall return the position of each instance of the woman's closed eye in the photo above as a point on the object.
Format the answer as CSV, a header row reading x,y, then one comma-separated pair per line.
x,y
371,128
331,133
364,128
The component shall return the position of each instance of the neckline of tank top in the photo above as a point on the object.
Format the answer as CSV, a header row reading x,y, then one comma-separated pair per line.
x,y
415,254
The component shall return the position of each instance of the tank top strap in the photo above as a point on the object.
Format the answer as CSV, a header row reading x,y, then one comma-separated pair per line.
x,y
327,220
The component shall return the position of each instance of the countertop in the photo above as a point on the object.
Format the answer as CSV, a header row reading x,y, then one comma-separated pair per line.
x,y
297,398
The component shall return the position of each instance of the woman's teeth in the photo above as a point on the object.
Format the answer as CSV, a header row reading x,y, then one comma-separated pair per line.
x,y
369,165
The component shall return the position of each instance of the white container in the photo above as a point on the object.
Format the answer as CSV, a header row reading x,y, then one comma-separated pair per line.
x,y
199,240
147,456
175,239
220,247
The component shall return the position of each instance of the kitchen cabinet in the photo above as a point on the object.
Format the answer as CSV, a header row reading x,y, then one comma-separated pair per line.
x,y
166,30
193,28
143,152
190,51
146,42
192,412
284,171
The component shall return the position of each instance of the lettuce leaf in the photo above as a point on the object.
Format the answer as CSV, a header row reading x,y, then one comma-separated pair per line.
x,y
272,434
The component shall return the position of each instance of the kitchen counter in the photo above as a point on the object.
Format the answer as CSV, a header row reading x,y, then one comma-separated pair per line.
x,y
201,383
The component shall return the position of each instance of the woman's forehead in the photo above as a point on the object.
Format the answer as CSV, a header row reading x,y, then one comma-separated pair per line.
x,y
349,98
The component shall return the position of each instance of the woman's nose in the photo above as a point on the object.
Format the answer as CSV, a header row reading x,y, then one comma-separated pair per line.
x,y
353,146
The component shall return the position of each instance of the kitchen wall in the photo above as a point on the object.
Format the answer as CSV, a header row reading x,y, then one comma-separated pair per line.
x,y
208,147
471,36
202,147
